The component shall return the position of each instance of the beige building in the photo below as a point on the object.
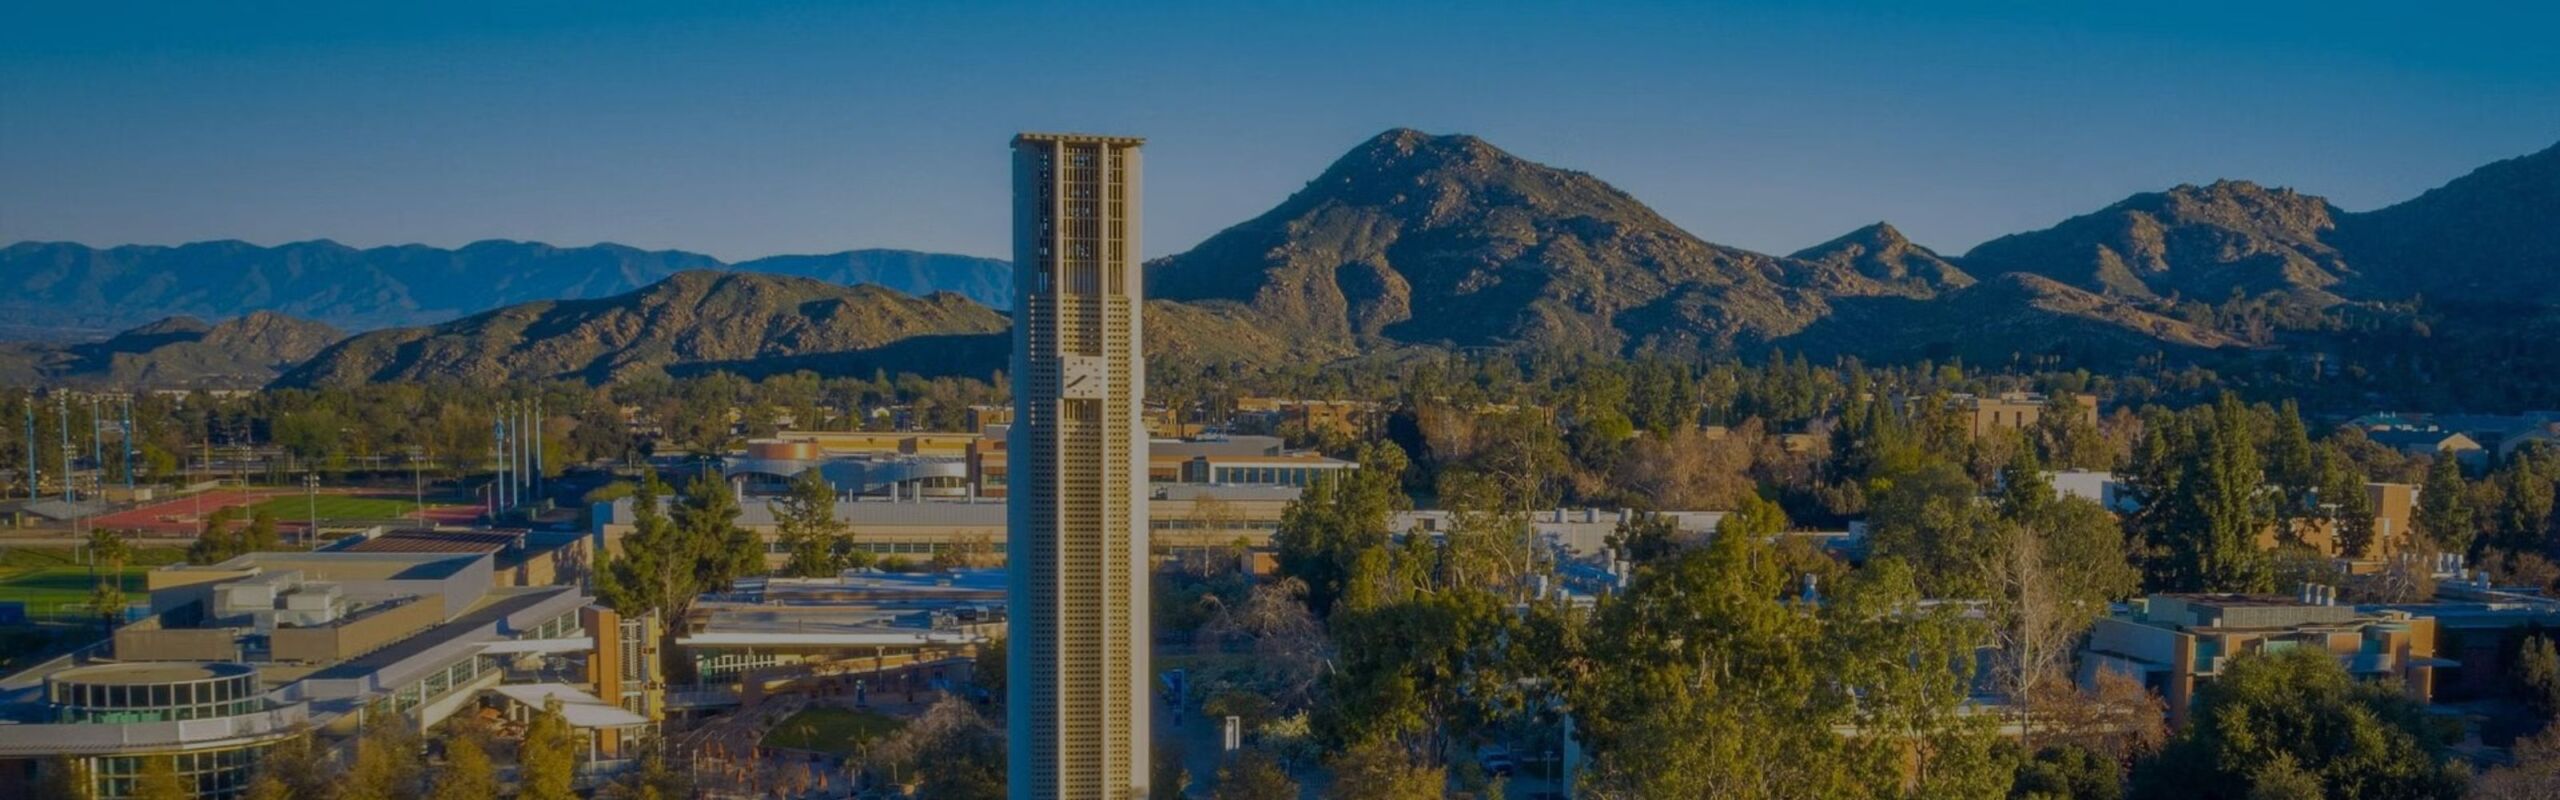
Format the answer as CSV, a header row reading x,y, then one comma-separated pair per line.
x,y
2172,642
2392,504
2016,410
1076,702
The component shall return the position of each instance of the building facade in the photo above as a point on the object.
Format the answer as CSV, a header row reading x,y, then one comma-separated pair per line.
x,y
1076,701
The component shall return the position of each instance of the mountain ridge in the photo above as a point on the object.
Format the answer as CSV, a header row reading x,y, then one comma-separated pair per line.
x,y
72,285
690,317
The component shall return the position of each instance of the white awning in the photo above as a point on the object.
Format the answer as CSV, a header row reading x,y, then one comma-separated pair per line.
x,y
856,639
582,710
512,646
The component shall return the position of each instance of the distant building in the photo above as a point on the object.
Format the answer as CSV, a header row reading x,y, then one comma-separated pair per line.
x,y
2011,411
2393,506
1580,531
1214,461
780,630
1336,417
2173,642
2104,488
2434,443
1178,516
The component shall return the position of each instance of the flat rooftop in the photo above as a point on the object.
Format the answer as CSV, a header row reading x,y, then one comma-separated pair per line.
x,y
496,606
863,608
135,674
419,541
341,566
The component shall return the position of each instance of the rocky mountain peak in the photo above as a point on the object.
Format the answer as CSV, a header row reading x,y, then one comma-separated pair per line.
x,y
1427,238
1880,253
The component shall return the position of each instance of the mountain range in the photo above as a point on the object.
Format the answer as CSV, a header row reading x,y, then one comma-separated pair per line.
x,y
73,286
1410,240
177,352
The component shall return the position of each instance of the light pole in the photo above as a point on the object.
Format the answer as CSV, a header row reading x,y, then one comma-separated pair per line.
x,y
417,487
311,493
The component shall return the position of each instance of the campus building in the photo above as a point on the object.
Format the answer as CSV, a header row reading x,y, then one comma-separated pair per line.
x,y
2174,642
2009,411
769,633
239,655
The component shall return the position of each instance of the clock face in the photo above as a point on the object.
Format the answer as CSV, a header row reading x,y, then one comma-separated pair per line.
x,y
1081,377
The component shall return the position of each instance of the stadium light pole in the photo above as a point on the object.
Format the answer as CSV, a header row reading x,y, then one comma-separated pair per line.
x,y
311,493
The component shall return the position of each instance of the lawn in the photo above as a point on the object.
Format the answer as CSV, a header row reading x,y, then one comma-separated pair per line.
x,y
290,508
49,580
831,730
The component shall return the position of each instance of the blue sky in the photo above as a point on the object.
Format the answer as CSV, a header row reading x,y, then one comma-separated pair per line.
x,y
752,128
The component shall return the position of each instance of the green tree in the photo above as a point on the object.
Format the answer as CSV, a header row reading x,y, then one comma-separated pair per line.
x,y
1253,775
2292,464
269,787
1933,518
110,552
2538,669
467,773
805,518
387,764
2197,479
671,556
261,534
548,756
1378,769
1171,780
1705,671
218,542
2068,772
955,751
706,517
1325,531
988,669
2066,437
654,780
2443,513
159,780
2358,741
2535,775
64,778
2341,492
297,769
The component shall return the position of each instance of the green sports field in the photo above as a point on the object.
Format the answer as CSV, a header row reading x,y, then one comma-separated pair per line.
x,y
336,506
831,730
52,582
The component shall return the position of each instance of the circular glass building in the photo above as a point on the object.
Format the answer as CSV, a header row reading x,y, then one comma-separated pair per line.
x,y
152,692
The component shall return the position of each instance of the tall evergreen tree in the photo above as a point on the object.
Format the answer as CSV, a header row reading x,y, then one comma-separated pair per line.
x,y
2197,479
2444,508
805,521
2292,464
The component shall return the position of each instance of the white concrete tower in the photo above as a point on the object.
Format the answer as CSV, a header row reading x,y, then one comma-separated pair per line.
x,y
1077,664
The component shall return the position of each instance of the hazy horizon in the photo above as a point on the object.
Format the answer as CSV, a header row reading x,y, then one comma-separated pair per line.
x,y
781,128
